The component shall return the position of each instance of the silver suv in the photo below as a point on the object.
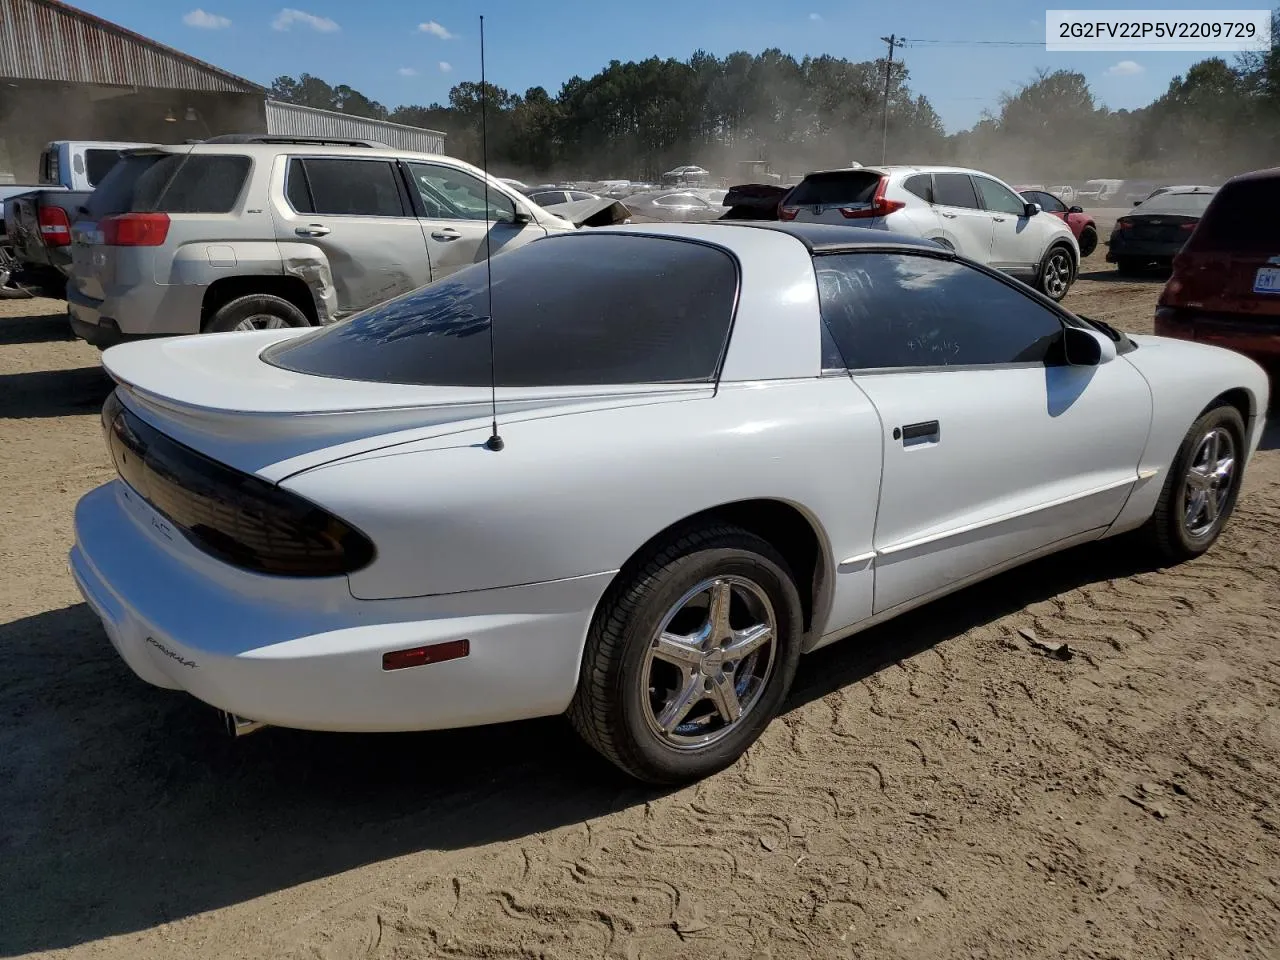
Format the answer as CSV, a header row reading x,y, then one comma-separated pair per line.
x,y
253,232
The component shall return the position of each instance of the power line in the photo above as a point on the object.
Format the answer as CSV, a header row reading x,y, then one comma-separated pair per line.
x,y
972,43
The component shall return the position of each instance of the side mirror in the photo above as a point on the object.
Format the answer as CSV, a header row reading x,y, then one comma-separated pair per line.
x,y
1030,209
522,216
1137,203
1075,209
1087,348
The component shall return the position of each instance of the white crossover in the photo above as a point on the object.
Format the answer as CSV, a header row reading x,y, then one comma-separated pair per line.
x,y
719,446
967,211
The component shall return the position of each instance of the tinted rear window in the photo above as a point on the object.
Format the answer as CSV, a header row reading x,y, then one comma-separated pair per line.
x,y
1240,218
115,193
98,164
1178,204
577,309
170,183
834,189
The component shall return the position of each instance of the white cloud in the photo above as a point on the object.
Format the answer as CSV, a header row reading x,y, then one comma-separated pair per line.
x,y
1125,68
287,17
815,16
205,21
446,67
435,30
407,72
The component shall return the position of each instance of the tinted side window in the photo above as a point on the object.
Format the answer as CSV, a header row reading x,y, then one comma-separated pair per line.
x,y
904,310
99,163
449,194
954,190
208,183
1048,202
296,189
921,185
574,309
354,188
998,198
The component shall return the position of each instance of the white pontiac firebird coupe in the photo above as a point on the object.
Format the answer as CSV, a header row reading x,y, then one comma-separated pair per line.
x,y
726,445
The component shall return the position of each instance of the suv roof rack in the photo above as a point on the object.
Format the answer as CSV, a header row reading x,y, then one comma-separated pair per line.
x,y
283,138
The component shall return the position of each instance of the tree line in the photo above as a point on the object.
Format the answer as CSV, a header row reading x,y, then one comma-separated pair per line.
x,y
637,119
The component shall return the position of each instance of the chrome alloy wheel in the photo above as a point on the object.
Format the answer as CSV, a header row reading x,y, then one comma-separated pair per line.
x,y
1057,274
261,321
1209,480
709,662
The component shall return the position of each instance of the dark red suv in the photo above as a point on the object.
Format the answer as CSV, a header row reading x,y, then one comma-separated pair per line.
x,y
1225,287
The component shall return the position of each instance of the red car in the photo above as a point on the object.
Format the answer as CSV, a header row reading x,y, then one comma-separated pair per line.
x,y
1225,286
1081,223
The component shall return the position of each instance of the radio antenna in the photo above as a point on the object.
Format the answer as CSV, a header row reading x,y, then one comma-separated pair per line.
x,y
494,442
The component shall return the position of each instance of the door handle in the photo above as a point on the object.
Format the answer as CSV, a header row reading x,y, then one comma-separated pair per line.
x,y
927,431
949,216
313,230
448,233
998,219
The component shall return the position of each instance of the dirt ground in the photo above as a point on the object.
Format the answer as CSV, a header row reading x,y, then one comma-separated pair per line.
x,y
935,789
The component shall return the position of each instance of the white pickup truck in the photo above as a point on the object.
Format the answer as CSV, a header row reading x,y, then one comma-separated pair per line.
x,y
37,219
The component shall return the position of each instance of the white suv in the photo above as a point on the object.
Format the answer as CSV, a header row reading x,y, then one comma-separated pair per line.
x,y
970,212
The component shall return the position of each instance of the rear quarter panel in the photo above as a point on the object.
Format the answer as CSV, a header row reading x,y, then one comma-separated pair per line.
x,y
1185,378
576,495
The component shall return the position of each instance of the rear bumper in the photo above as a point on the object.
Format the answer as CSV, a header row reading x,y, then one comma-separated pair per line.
x,y
1144,249
305,653
1255,337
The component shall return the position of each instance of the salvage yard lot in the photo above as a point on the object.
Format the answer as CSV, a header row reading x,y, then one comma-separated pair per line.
x,y
936,787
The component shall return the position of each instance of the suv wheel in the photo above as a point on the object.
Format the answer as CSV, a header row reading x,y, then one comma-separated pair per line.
x,y
1056,272
256,311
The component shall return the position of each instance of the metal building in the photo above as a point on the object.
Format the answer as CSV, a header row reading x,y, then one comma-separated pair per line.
x,y
292,119
69,75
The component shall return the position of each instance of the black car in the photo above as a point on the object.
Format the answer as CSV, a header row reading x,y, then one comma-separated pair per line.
x,y
1156,230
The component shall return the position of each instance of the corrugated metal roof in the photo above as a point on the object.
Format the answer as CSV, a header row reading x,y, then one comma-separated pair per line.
x,y
50,40
298,121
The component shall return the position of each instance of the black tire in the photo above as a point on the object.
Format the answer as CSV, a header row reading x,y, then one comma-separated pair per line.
x,y
1050,278
1129,266
612,712
1088,241
231,314
1167,531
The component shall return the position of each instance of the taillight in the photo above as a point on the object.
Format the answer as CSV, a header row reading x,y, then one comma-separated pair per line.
x,y
135,229
880,207
1187,226
54,226
1123,224
787,213
237,517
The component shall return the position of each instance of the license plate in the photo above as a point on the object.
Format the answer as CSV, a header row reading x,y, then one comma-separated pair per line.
x,y
1267,280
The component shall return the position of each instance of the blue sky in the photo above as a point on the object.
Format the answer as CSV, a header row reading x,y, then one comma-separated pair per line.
x,y
398,52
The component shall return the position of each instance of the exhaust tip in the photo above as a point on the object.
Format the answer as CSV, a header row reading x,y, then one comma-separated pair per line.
x,y
238,726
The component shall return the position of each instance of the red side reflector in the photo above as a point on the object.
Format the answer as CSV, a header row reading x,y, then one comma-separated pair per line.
x,y
54,226
135,229
420,656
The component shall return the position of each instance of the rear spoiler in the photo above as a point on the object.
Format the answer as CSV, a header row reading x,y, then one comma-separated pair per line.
x,y
754,201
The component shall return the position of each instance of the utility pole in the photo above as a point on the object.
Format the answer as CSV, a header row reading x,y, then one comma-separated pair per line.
x,y
893,40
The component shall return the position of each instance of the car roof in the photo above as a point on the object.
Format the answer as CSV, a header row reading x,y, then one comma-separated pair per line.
x,y
892,168
816,237
274,149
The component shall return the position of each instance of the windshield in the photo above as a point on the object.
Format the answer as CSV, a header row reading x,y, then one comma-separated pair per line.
x,y
575,309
